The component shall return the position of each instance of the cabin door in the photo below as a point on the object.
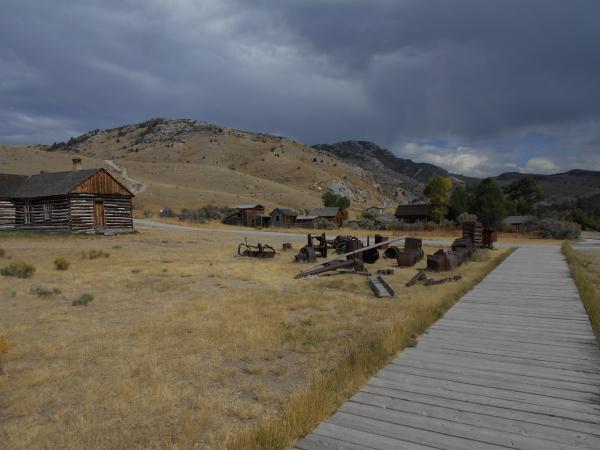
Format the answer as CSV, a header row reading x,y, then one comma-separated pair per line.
x,y
99,215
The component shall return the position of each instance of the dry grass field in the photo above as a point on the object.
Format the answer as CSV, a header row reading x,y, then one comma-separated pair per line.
x,y
585,268
186,345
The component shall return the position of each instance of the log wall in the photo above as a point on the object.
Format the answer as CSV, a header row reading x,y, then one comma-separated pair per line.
x,y
117,213
59,214
7,214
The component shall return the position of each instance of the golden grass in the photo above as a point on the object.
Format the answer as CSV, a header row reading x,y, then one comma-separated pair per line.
x,y
186,344
585,270
360,360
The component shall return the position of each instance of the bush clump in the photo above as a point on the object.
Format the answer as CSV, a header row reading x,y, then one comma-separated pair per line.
x,y
2,252
95,254
18,269
61,263
44,292
556,229
83,299
166,212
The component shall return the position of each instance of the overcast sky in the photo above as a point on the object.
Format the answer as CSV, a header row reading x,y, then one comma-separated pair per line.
x,y
476,86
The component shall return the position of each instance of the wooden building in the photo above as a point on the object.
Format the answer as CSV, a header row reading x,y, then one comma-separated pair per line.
x,y
245,215
78,201
307,221
331,214
518,224
419,212
283,218
375,210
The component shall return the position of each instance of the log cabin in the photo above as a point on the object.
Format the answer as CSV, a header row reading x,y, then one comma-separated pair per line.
x,y
246,216
79,201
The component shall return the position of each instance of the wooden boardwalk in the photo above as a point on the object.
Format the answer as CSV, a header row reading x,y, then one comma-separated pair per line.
x,y
514,364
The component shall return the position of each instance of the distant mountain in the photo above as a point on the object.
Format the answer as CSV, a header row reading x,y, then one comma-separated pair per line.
x,y
409,177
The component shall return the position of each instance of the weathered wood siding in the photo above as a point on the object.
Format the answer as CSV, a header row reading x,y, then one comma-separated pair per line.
x,y
58,218
117,211
7,214
101,183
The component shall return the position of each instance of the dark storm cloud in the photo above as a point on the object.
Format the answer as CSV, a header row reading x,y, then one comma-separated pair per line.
x,y
478,76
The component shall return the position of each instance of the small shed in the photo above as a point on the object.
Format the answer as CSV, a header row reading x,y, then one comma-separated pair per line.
x,y
89,200
518,224
307,221
283,217
418,212
244,215
332,214
262,220
375,210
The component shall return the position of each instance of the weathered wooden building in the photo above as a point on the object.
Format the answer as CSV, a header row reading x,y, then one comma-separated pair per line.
x,y
283,217
331,214
245,215
78,201
518,224
418,212
307,221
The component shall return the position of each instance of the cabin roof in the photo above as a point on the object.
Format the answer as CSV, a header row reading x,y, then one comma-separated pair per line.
x,y
329,211
42,184
418,209
300,218
286,212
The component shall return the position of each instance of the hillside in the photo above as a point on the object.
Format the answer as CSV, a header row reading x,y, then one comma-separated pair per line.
x,y
393,172
188,163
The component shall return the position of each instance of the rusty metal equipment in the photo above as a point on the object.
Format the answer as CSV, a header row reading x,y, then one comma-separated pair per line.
x,y
380,287
286,246
340,243
411,254
385,271
306,254
441,261
489,237
379,239
256,251
315,247
421,277
474,231
354,259
391,252
463,247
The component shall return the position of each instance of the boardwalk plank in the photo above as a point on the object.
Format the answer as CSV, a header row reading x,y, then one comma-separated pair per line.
x,y
514,364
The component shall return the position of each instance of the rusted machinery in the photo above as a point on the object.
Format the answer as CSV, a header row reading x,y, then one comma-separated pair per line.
x,y
442,260
474,231
463,247
256,251
354,259
379,239
380,287
316,246
412,253
489,237
421,277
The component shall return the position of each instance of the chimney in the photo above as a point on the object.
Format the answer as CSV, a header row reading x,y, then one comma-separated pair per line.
x,y
76,163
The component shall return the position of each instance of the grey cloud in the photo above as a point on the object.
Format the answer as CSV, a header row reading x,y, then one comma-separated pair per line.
x,y
475,73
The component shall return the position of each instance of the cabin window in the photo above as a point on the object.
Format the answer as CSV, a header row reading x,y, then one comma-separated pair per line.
x,y
47,211
27,213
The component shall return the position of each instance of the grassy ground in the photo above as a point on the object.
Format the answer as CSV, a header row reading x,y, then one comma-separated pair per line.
x,y
585,269
186,345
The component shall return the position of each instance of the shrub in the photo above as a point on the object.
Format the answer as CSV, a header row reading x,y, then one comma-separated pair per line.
x,y
18,269
94,254
466,217
44,292
83,299
147,213
2,252
61,263
556,229
166,212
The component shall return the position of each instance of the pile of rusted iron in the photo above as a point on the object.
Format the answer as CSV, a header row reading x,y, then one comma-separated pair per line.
x,y
409,256
256,251
421,277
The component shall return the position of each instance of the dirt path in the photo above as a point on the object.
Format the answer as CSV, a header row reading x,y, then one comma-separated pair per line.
x,y
135,186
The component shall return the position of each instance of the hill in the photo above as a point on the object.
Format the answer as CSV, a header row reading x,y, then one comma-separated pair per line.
x,y
394,172
188,163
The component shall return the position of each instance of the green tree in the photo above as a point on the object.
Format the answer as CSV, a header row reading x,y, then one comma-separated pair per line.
x,y
524,194
437,190
333,200
489,203
460,201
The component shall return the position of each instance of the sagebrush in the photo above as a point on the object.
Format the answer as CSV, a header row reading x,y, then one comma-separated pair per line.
x,y
18,269
61,263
